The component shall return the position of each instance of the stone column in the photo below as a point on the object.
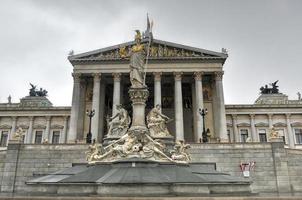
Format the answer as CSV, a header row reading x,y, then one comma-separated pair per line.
x,y
235,128
221,118
75,108
29,138
96,106
157,88
116,91
199,104
253,128
47,130
194,112
270,121
290,135
102,113
179,124
64,132
14,125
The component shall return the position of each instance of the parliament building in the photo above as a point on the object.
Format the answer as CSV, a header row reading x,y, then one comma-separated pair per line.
x,y
181,79
42,145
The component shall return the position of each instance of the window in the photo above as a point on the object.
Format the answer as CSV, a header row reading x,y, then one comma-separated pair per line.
x,y
38,137
244,135
55,137
298,133
4,137
229,135
281,134
262,135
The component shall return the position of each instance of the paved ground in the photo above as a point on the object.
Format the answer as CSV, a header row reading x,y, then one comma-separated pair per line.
x,y
149,198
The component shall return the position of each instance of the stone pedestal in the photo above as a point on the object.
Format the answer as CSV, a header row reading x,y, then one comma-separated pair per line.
x,y
276,139
138,97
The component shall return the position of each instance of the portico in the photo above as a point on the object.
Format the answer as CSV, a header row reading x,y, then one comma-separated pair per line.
x,y
181,79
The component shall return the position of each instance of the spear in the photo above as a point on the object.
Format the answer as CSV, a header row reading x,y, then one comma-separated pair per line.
x,y
148,48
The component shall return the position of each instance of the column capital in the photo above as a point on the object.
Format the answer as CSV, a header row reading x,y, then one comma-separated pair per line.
x,y
116,76
48,118
234,116
96,76
31,118
198,75
76,77
252,116
157,76
287,115
65,118
218,75
14,118
270,115
177,76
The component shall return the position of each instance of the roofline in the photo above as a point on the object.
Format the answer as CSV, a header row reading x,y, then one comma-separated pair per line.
x,y
74,57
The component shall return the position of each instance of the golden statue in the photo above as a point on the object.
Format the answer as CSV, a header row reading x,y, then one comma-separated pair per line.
x,y
274,133
137,62
123,52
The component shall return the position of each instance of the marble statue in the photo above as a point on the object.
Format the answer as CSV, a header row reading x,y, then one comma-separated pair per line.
x,y
180,153
119,123
137,62
18,135
156,122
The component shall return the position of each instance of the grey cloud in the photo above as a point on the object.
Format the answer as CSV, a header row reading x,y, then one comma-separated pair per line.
x,y
263,39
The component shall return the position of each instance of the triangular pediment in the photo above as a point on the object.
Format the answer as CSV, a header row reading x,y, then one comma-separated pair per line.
x,y
159,50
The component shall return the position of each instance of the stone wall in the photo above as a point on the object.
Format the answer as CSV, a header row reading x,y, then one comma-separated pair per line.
x,y
277,169
2,160
229,156
34,160
295,169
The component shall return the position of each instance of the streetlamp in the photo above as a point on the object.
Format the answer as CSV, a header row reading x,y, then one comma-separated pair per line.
x,y
203,113
90,114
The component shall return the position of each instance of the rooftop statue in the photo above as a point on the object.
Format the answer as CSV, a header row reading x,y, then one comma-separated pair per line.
x,y
270,90
33,92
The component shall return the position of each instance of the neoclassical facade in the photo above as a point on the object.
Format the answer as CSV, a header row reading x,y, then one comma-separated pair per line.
x,y
269,111
181,79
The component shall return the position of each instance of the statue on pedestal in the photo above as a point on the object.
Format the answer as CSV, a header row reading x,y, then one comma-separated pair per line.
x,y
156,122
274,133
18,135
137,62
119,123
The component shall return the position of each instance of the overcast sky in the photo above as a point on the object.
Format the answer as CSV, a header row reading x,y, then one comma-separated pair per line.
x,y
263,38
